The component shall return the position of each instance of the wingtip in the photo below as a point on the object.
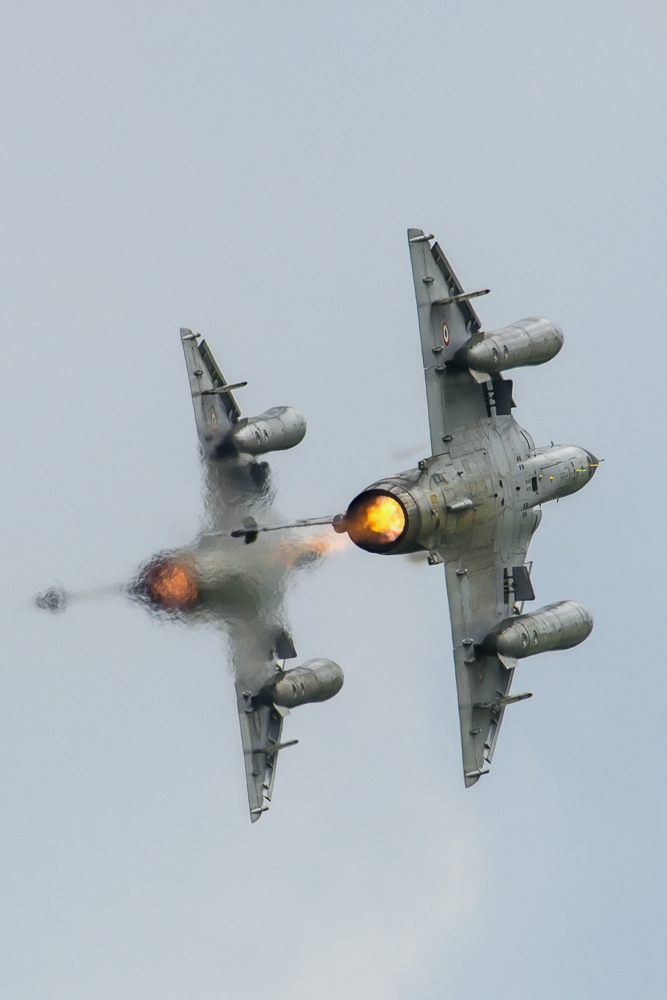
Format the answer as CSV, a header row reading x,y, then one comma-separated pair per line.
x,y
419,236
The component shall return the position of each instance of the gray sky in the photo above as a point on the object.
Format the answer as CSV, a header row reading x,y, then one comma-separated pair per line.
x,y
249,170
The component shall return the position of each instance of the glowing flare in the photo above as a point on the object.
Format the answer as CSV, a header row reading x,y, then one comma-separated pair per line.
x,y
172,585
384,515
378,520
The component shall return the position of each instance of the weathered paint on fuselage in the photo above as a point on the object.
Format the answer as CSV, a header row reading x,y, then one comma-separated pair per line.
x,y
460,499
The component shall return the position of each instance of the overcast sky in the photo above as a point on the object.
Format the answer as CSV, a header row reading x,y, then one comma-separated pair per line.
x,y
249,170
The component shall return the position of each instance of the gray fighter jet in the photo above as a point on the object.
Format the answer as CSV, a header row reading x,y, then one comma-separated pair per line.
x,y
473,506
475,503
215,580
244,589
240,588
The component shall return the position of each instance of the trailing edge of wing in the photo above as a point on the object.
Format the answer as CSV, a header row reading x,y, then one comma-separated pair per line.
x,y
216,410
483,684
261,731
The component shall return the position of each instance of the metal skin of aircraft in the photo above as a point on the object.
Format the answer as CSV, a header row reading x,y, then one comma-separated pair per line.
x,y
240,588
213,580
473,506
476,502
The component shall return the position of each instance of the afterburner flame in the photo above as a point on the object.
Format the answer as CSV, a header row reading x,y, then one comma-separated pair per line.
x,y
173,585
377,520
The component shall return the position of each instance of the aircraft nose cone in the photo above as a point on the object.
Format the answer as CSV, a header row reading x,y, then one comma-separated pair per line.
x,y
592,464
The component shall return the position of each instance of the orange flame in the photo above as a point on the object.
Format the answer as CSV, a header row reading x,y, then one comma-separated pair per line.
x,y
300,550
377,521
173,585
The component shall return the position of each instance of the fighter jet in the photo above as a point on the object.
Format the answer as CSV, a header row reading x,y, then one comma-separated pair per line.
x,y
474,504
240,588
212,579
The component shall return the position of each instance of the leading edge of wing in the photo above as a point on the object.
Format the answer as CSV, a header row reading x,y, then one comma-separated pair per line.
x,y
216,410
447,321
420,246
483,684
256,652
261,732
482,588
441,302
